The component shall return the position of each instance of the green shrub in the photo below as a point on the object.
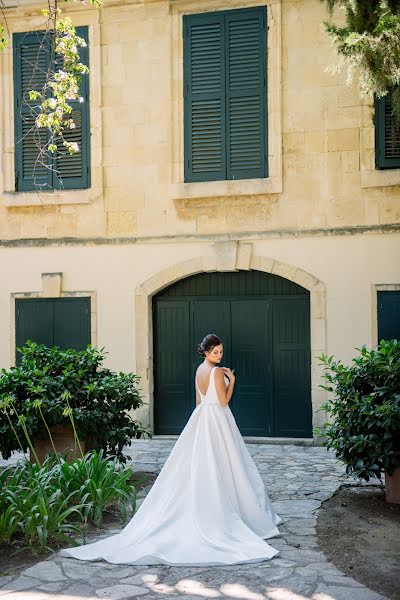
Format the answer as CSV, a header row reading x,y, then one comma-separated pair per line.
x,y
365,432
49,382
42,505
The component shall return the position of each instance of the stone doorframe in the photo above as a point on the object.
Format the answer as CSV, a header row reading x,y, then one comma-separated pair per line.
x,y
226,256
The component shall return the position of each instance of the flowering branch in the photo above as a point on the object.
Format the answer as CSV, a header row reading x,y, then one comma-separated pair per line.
x,y
369,43
61,86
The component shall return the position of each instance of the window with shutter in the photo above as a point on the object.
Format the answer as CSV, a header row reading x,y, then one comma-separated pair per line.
x,y
33,169
225,56
62,322
387,135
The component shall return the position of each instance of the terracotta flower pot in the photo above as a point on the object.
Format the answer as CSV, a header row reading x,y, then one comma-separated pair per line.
x,y
63,438
392,487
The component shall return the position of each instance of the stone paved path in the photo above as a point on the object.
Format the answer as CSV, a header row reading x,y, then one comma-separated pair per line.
x,y
297,478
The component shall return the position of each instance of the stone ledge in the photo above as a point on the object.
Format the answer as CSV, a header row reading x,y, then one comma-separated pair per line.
x,y
380,178
34,198
238,187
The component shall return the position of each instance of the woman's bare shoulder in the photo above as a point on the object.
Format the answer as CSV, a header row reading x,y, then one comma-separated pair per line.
x,y
219,372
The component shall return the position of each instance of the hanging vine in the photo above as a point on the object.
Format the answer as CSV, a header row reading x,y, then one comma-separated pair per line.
x,y
369,44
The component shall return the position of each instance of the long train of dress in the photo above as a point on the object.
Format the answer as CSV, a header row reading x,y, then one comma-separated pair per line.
x,y
208,505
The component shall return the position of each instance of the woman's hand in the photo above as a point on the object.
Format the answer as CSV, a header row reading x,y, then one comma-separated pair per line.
x,y
229,374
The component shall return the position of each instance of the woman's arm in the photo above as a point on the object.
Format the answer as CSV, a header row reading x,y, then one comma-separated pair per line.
x,y
224,393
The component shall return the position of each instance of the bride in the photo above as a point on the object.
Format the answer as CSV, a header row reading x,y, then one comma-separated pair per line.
x,y
208,505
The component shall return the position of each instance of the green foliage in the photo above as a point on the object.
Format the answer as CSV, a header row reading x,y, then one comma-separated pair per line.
x,y
99,481
45,505
62,85
3,39
53,386
369,43
365,432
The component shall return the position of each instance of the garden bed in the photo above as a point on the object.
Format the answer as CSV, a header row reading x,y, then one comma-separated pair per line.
x,y
359,533
18,558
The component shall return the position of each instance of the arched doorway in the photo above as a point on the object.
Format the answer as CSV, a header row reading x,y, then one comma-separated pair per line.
x,y
264,321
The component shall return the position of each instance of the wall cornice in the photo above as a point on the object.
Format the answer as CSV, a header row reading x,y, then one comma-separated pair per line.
x,y
213,237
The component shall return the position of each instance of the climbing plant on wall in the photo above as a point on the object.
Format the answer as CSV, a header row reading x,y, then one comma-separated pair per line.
x,y
369,43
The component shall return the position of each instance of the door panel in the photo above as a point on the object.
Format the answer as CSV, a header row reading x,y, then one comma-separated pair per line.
x,y
72,323
389,315
251,401
34,321
292,368
172,404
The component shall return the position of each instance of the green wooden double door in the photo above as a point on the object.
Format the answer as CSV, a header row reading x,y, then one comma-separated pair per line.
x,y
267,342
62,322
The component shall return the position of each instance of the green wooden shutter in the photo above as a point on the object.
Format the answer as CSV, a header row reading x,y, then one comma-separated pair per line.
x,y
225,95
388,315
31,61
387,135
204,98
33,321
64,171
62,322
72,327
246,93
72,170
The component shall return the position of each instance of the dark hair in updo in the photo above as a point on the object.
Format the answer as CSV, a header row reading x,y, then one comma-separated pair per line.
x,y
209,342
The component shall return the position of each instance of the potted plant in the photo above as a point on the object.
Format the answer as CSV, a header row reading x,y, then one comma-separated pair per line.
x,y
365,432
64,399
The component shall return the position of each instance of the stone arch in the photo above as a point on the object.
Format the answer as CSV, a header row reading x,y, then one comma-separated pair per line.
x,y
233,257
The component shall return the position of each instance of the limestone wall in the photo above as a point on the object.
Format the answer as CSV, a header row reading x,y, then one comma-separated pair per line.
x,y
342,273
321,134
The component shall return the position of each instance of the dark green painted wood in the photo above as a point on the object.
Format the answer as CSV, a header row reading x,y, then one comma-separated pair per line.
x,y
225,84
239,283
250,337
292,368
266,336
72,323
204,94
387,135
73,171
388,315
63,322
31,61
246,115
34,321
172,402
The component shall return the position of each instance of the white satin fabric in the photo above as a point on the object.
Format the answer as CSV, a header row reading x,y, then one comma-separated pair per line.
x,y
208,505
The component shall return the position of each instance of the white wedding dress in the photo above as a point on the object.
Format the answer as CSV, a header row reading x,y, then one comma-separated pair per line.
x,y
208,505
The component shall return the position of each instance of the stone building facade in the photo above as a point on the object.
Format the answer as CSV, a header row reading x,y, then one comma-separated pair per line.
x,y
323,222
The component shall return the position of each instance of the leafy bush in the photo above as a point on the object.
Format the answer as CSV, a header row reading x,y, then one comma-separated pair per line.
x,y
99,482
365,433
43,505
49,382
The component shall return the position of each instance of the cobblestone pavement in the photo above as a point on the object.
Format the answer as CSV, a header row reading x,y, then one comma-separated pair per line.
x,y
297,479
